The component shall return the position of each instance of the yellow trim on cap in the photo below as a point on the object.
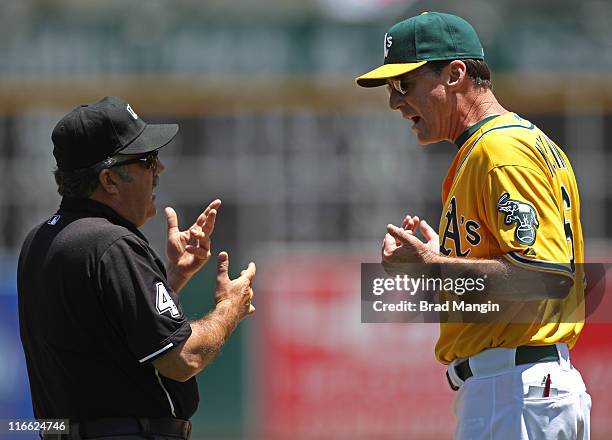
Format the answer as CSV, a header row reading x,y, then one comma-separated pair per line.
x,y
378,76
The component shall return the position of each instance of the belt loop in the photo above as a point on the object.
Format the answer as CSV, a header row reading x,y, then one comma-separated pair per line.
x,y
188,433
452,375
564,355
493,361
75,431
145,426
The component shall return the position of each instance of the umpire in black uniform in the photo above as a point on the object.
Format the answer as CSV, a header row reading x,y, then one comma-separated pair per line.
x,y
106,341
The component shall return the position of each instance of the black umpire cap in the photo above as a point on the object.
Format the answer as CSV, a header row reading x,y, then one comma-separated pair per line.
x,y
93,132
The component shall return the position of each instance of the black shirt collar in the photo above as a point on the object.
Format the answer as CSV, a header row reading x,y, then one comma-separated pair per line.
x,y
98,209
470,131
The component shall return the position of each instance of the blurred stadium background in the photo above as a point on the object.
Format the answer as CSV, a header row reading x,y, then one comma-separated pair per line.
x,y
310,170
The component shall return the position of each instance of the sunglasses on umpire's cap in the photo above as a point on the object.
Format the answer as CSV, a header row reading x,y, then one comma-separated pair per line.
x,y
93,132
431,36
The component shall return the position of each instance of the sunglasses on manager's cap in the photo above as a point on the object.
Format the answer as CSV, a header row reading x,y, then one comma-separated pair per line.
x,y
91,133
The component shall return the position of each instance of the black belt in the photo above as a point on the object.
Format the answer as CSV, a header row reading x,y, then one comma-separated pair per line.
x,y
125,426
525,354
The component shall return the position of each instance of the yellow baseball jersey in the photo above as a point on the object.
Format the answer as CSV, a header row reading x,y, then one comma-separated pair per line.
x,y
511,192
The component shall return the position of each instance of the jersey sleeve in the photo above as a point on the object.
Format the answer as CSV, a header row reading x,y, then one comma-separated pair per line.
x,y
524,216
138,301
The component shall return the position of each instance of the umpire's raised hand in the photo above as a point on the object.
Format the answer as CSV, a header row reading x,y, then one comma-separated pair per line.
x,y
237,293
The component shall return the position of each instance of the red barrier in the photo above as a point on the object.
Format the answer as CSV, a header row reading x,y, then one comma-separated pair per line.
x,y
325,375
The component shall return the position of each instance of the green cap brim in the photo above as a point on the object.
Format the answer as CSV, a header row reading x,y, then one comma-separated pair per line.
x,y
378,77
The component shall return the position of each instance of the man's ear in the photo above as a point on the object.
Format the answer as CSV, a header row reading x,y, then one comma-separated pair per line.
x,y
456,73
108,182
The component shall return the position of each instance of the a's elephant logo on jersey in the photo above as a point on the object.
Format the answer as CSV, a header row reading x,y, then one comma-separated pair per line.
x,y
521,213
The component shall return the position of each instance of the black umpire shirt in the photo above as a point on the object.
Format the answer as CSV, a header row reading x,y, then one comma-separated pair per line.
x,y
95,309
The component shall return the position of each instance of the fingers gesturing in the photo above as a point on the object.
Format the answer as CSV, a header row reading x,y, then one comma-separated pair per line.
x,y
238,292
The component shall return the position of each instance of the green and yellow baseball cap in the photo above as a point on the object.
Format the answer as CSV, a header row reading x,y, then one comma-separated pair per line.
x,y
431,36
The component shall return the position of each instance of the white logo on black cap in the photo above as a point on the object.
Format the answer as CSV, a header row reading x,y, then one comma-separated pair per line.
x,y
132,112
387,44
53,220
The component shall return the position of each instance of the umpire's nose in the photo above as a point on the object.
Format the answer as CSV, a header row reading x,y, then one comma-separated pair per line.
x,y
160,167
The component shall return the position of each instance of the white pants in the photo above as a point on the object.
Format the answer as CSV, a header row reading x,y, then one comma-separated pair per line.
x,y
499,403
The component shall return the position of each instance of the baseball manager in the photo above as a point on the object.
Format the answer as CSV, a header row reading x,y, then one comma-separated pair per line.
x,y
106,341
511,214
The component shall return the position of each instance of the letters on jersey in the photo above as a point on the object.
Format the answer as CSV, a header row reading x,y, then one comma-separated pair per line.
x,y
455,228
